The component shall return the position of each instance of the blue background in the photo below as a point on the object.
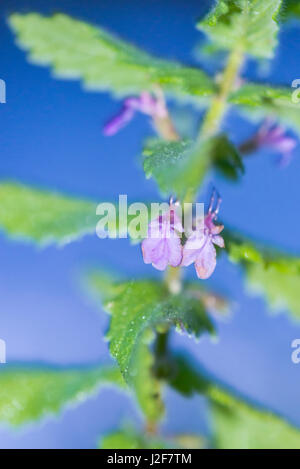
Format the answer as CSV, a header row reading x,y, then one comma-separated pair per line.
x,y
51,137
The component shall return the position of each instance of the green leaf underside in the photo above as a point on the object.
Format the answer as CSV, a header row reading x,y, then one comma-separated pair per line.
x,y
290,9
147,388
28,393
129,438
247,24
177,165
44,217
265,100
140,306
236,423
270,273
75,49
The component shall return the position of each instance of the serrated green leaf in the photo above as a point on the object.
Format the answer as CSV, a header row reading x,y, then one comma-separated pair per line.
x,y
129,438
236,423
270,273
177,166
265,100
247,24
290,9
139,306
30,392
75,49
44,217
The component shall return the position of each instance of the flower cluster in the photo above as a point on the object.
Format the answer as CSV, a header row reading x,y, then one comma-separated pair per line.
x,y
163,245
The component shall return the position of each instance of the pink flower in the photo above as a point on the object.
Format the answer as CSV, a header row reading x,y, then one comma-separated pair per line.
x,y
275,137
145,103
199,247
163,246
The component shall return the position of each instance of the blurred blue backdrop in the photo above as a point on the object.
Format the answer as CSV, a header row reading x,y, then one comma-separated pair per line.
x,y
51,137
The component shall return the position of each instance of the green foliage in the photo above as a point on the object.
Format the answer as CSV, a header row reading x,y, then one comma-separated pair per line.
x,y
249,25
48,217
226,158
271,273
129,438
44,217
236,423
290,9
262,100
165,162
147,387
31,392
75,49
177,166
138,306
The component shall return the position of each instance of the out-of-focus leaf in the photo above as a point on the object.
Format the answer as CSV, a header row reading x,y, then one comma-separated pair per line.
x,y
187,441
178,166
129,438
250,25
44,217
270,273
265,100
28,393
146,386
226,158
138,306
290,9
237,424
78,50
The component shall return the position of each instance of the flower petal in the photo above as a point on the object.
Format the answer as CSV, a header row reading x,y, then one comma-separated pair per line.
x,y
148,246
116,123
160,255
206,261
219,241
192,248
175,251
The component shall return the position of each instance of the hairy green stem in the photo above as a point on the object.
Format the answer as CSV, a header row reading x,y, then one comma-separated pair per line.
x,y
167,131
218,107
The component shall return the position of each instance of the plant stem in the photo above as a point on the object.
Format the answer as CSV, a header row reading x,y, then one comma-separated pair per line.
x,y
165,128
218,107
173,280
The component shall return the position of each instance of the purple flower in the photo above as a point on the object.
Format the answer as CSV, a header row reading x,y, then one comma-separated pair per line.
x,y
199,247
145,103
275,136
163,246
